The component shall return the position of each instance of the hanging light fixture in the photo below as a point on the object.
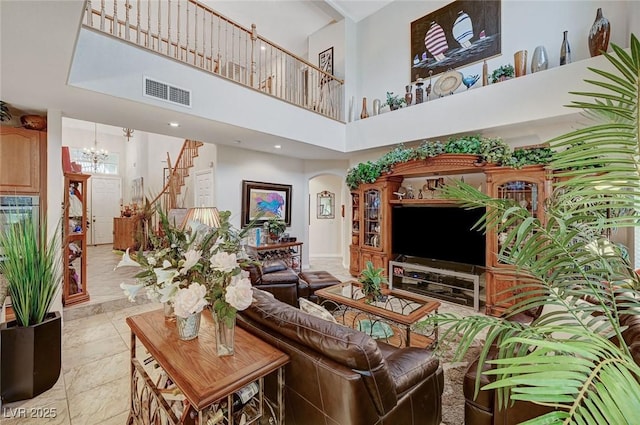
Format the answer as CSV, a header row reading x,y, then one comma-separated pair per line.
x,y
94,155
128,133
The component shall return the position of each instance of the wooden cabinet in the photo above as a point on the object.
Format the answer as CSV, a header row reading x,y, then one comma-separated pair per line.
x,y
22,160
529,187
74,229
354,260
125,230
371,224
372,207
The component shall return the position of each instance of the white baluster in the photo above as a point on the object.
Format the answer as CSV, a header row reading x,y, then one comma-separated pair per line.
x,y
114,26
127,34
89,13
159,27
137,21
102,15
169,42
195,37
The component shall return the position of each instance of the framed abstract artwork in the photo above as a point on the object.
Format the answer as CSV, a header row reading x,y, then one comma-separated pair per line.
x,y
262,201
325,63
458,34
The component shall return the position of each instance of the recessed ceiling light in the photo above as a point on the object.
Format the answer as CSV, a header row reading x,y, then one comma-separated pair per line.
x,y
174,124
277,146
263,48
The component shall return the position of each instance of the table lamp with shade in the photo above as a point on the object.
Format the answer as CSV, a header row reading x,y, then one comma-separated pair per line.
x,y
206,215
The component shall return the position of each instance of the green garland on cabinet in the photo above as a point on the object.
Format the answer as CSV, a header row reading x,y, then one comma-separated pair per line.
x,y
489,150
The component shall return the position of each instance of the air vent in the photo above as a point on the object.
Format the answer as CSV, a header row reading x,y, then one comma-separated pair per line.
x,y
166,92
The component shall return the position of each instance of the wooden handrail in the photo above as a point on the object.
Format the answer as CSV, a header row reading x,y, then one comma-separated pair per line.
x,y
186,150
216,44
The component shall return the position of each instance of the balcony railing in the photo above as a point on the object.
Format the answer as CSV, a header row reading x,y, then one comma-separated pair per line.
x,y
196,35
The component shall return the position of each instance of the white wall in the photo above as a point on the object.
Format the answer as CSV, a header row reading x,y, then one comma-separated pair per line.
x,y
330,36
55,184
325,235
235,165
384,37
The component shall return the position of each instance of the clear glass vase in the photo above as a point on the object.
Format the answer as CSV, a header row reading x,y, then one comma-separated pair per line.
x,y
188,327
224,336
169,314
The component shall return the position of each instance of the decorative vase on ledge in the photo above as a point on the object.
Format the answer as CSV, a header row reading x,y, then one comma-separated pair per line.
x,y
599,34
565,50
364,114
376,106
540,59
408,96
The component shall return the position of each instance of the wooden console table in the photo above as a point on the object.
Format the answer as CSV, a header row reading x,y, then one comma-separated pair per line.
x,y
290,252
124,232
185,382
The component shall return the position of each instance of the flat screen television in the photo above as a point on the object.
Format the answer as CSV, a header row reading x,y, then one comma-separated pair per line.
x,y
438,233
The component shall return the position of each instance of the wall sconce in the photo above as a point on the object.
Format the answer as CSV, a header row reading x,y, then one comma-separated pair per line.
x,y
128,133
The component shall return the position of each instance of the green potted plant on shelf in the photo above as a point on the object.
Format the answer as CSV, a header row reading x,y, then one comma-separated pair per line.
x,y
31,344
576,358
503,73
372,279
276,226
394,101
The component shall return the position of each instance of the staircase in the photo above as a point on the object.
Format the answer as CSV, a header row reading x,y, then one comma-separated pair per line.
x,y
178,174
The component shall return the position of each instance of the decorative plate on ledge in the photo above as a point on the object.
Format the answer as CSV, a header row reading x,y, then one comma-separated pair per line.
x,y
447,83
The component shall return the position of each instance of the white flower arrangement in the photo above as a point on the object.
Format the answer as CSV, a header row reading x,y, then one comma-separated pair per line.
x,y
206,257
239,294
190,300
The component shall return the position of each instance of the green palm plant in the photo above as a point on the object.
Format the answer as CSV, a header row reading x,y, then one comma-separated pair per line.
x,y
572,358
32,270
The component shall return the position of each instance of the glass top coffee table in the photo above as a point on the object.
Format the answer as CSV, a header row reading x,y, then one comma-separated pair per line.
x,y
395,312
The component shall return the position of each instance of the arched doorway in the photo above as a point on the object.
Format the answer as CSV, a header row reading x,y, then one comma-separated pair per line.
x,y
326,232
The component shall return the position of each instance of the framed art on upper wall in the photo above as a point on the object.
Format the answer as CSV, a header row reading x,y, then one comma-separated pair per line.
x,y
325,63
262,201
460,33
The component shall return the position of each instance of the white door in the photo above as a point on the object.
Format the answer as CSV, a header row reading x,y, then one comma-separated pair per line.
x,y
204,188
106,195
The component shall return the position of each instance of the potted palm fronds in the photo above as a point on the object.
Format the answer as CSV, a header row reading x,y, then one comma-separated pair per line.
x,y
31,344
577,358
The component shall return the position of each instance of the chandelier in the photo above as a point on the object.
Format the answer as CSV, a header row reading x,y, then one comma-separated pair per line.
x,y
128,133
94,155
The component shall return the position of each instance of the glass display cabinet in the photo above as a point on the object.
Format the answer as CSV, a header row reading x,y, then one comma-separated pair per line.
x,y
74,231
529,188
371,224
372,218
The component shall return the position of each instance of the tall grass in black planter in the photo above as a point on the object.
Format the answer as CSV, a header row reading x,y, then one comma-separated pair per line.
x,y
30,346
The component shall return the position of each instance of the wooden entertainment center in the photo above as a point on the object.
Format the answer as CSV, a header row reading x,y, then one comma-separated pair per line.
x,y
372,208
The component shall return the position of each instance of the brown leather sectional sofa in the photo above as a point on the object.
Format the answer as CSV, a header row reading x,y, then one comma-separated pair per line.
x,y
275,277
484,409
340,376
285,284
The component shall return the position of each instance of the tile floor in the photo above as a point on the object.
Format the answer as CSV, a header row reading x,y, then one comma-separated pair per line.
x,y
93,387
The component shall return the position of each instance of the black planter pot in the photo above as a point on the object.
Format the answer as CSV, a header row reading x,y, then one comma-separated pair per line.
x,y
30,358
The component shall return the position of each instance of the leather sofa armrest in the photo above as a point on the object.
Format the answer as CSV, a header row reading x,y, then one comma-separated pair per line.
x,y
411,366
271,266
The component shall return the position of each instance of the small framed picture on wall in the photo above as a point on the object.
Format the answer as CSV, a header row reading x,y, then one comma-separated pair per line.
x,y
325,63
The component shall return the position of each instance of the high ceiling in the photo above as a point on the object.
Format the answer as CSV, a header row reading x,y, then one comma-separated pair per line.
x,y
37,40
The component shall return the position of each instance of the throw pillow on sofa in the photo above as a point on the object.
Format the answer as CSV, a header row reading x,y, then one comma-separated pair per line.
x,y
315,310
